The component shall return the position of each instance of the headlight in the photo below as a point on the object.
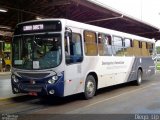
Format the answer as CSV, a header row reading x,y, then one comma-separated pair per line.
x,y
53,80
15,79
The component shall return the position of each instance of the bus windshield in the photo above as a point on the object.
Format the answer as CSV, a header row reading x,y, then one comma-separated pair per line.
x,y
40,51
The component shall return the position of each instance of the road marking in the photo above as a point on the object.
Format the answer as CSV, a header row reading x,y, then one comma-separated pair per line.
x,y
5,79
11,97
87,106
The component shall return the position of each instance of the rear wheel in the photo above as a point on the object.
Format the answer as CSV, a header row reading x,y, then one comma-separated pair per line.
x,y
90,87
139,77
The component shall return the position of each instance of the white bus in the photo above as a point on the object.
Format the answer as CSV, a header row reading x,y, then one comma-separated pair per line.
x,y
63,57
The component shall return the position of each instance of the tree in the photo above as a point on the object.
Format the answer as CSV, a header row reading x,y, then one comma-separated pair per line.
x,y
158,49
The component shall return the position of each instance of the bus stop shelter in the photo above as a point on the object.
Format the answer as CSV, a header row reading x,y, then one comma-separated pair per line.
x,y
79,10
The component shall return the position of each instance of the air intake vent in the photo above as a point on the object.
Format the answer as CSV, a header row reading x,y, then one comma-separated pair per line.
x,y
34,75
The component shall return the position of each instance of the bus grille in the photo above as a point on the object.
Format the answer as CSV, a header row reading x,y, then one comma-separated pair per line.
x,y
34,75
31,88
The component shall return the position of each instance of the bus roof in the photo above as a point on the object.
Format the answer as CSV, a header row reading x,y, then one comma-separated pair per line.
x,y
71,23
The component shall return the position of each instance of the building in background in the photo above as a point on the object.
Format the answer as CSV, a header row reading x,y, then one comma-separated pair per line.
x,y
5,51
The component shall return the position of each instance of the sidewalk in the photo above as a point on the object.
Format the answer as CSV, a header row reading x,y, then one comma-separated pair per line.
x,y
5,73
5,86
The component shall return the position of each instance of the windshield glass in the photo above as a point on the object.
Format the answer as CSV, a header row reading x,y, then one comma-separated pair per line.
x,y
37,51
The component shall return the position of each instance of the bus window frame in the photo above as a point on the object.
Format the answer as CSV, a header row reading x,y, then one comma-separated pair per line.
x,y
96,41
131,42
109,43
122,38
81,40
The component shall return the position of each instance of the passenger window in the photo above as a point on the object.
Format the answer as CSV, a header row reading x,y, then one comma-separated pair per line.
x,y
144,49
137,48
150,48
90,43
104,44
128,50
117,46
75,49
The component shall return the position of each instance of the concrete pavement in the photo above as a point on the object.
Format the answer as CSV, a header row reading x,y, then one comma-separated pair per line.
x,y
5,86
121,102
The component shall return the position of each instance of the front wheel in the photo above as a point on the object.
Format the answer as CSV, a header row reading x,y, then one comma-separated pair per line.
x,y
90,87
139,77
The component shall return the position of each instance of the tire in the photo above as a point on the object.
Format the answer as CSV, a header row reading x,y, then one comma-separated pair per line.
x,y
139,77
90,87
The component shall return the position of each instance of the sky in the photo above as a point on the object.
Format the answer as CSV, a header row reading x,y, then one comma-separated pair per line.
x,y
144,10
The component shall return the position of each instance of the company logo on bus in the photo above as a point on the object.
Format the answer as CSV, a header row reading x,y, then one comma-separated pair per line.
x,y
33,27
32,82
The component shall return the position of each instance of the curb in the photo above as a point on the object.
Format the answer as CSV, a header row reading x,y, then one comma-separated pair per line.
x,y
4,99
5,73
13,97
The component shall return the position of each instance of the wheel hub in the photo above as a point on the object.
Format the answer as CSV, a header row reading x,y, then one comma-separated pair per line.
x,y
90,87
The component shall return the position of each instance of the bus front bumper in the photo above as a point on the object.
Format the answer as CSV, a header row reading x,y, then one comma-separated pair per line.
x,y
38,86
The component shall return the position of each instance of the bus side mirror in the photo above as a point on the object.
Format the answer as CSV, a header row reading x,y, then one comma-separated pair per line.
x,y
68,37
68,32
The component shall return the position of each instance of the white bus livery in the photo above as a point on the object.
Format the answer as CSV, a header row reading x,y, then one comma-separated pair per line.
x,y
62,57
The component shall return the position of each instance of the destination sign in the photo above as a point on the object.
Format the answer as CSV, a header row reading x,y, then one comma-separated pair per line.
x,y
38,27
33,27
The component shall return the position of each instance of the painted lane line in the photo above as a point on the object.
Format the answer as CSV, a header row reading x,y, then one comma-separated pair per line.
x,y
153,84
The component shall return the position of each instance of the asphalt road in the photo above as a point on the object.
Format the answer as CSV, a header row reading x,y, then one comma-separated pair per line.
x,y
121,102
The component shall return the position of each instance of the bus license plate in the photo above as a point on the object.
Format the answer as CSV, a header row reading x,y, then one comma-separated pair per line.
x,y
32,93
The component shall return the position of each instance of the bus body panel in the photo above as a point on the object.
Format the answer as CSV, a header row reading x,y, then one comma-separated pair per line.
x,y
110,70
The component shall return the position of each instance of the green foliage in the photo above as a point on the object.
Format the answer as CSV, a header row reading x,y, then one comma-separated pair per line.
x,y
158,66
7,47
158,49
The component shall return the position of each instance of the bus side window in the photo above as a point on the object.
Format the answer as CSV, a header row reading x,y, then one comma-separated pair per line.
x,y
90,43
75,46
104,44
128,47
150,48
117,46
137,48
